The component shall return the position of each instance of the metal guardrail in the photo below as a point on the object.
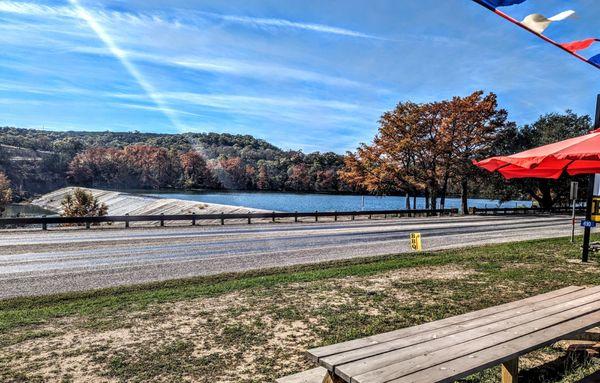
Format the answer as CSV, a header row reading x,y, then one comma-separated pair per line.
x,y
527,210
194,218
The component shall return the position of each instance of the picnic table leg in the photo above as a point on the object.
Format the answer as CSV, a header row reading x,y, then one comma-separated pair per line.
x,y
510,371
331,378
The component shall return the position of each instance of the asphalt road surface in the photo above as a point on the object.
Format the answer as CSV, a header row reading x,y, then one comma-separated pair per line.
x,y
37,263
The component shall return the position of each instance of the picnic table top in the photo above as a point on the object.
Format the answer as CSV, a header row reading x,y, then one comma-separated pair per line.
x,y
453,348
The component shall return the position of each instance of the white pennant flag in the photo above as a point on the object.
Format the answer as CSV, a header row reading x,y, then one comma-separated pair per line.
x,y
538,23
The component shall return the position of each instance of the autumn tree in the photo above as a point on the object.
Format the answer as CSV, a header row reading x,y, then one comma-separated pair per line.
x,y
422,148
81,203
470,130
5,192
195,172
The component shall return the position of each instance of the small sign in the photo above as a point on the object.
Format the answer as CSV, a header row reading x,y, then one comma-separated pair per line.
x,y
415,241
574,190
588,224
596,209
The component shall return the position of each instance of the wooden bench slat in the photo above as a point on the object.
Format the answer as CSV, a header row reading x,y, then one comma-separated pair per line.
x,y
437,339
395,370
490,357
314,375
317,353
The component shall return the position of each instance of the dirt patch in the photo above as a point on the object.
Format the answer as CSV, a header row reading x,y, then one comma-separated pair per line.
x,y
261,333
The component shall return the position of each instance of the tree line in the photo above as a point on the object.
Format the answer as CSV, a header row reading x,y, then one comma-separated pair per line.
x,y
420,150
37,161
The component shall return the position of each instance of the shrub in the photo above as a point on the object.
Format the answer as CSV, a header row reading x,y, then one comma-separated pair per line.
x,y
5,192
82,204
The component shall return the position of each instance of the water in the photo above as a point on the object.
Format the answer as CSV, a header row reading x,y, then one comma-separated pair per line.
x,y
25,210
290,202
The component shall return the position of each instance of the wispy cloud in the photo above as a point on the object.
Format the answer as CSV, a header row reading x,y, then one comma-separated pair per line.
x,y
260,22
127,64
26,8
300,110
251,69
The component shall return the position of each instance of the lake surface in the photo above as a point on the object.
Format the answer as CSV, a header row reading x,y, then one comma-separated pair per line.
x,y
290,202
25,210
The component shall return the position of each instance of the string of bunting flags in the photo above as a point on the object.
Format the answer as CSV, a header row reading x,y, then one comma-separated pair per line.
x,y
537,23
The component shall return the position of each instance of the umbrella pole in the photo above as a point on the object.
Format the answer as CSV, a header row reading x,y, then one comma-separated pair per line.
x,y
590,196
588,217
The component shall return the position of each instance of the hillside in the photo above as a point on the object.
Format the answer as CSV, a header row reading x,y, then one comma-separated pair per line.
x,y
38,161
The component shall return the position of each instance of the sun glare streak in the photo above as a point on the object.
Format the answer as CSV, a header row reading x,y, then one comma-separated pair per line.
x,y
131,69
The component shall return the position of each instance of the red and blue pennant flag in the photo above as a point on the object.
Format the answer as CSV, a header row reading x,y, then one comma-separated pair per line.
x,y
579,45
537,23
503,3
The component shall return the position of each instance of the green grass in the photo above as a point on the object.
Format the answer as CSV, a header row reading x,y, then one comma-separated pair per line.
x,y
496,274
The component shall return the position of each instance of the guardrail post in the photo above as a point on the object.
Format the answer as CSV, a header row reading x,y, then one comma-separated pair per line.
x,y
369,216
352,217
335,216
126,220
193,219
162,220
222,218
272,216
249,219
296,216
44,224
316,216
87,225
385,216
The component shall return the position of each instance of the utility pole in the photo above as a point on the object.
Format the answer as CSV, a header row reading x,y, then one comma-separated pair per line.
x,y
590,196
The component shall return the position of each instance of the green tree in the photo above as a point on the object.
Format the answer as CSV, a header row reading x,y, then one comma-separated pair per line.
x,y
548,129
81,203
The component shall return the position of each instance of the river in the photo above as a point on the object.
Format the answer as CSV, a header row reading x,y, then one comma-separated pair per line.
x,y
291,202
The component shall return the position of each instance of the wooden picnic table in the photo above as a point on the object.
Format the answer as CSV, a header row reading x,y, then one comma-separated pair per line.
x,y
453,348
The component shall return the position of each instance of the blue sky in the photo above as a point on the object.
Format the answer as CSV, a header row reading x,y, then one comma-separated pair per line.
x,y
310,75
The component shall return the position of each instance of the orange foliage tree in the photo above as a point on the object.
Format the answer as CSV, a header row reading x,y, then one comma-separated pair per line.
x,y
426,149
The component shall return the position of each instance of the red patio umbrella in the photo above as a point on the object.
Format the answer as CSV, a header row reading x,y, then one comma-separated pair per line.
x,y
580,155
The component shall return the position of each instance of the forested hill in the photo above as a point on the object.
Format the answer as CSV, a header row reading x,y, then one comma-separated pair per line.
x,y
37,161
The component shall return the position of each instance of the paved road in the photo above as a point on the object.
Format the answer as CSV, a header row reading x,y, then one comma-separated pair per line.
x,y
36,262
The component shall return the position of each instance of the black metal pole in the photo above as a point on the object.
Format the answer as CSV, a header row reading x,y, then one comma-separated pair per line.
x,y
587,233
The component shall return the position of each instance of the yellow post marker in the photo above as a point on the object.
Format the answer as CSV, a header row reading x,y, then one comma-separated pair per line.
x,y
415,242
596,209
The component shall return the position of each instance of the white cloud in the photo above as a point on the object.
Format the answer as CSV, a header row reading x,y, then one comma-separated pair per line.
x,y
32,9
261,22
250,69
303,111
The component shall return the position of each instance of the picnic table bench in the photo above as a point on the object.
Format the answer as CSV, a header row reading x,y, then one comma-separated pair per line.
x,y
453,348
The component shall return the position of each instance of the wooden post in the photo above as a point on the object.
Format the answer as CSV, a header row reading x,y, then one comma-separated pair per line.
x,y
331,378
249,219
588,211
44,224
126,220
87,225
162,220
296,216
335,216
510,371
193,219
222,218
273,217
316,216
